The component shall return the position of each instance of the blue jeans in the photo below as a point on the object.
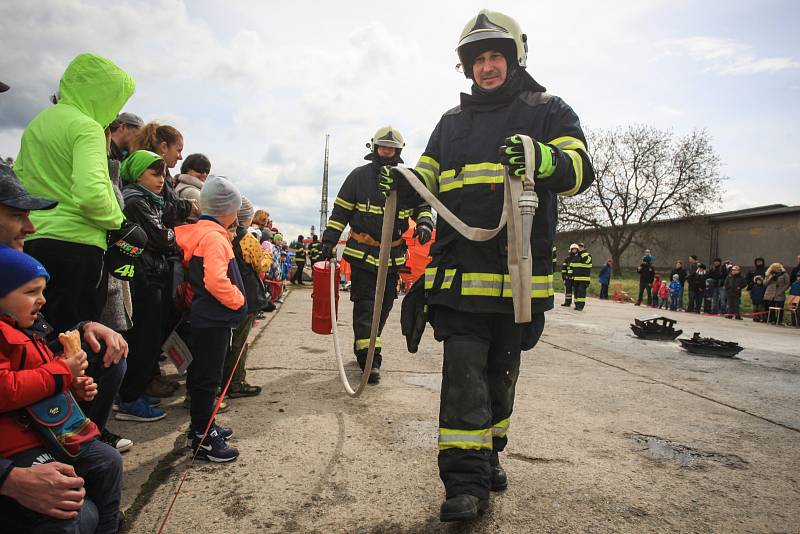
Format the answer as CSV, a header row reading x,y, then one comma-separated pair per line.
x,y
680,297
100,466
673,301
108,382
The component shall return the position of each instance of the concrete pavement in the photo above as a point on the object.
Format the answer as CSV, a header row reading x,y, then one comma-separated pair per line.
x,y
610,434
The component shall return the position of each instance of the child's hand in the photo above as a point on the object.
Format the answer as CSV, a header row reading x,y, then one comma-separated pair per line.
x,y
84,388
77,363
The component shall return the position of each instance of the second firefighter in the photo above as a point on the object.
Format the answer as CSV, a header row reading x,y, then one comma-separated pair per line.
x,y
359,203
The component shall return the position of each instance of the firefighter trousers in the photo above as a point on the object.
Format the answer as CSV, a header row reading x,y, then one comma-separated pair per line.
x,y
579,288
479,378
362,294
568,291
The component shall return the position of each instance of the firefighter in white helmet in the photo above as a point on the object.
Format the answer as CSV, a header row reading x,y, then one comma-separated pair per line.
x,y
359,203
467,283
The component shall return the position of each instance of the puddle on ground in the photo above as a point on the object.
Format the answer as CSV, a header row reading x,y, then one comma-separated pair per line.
x,y
418,434
657,448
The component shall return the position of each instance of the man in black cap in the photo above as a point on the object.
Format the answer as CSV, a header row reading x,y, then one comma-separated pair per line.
x,y
15,205
123,130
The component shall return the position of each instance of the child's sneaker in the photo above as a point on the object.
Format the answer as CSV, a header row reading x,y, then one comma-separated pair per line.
x,y
214,448
224,431
151,401
118,442
139,410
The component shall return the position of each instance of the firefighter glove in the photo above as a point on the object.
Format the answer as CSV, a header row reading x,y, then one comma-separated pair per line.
x,y
512,155
387,179
326,251
423,232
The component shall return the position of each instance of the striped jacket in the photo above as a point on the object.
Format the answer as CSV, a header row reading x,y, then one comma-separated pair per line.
x,y
461,166
359,203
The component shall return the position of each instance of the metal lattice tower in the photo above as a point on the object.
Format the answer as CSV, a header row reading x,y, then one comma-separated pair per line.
x,y
323,207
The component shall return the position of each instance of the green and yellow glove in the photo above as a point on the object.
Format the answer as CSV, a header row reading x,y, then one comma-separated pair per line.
x,y
512,155
387,179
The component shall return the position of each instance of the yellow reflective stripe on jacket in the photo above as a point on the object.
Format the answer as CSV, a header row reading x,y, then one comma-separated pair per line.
x,y
354,253
362,344
364,208
471,174
453,438
336,225
500,428
344,204
482,284
424,213
497,285
449,181
568,143
428,168
370,259
542,286
577,165
405,214
430,277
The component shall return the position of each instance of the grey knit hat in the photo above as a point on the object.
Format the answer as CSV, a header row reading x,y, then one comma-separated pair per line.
x,y
246,212
219,197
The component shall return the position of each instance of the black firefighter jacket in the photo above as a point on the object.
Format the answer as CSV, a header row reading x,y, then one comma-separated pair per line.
x,y
461,165
360,204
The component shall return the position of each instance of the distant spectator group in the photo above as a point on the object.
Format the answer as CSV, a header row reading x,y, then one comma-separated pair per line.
x,y
717,289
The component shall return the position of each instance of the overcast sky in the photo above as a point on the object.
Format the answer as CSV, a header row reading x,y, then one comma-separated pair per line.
x,y
257,85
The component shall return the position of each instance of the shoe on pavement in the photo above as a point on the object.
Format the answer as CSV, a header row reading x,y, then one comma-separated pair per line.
x,y
374,376
138,410
213,448
462,508
150,400
157,388
243,390
567,304
118,442
497,475
225,431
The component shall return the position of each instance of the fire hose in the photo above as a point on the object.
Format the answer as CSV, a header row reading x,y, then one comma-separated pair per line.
x,y
518,218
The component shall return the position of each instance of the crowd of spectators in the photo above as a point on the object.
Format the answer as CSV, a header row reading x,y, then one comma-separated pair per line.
x,y
97,236
717,289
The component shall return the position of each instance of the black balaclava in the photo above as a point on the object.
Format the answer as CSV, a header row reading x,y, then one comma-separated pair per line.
x,y
380,162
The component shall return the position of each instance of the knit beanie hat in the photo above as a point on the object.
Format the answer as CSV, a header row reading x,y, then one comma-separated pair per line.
x,y
219,197
18,269
135,165
245,212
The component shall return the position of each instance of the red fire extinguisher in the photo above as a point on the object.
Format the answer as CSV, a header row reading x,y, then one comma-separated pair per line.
x,y
321,297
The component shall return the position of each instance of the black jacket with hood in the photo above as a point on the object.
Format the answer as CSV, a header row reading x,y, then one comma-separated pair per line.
x,y
142,208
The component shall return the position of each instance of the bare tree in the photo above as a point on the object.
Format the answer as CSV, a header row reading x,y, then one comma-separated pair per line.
x,y
642,175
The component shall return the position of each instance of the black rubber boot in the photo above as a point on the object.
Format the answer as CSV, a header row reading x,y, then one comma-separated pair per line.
x,y
462,508
567,303
374,376
498,477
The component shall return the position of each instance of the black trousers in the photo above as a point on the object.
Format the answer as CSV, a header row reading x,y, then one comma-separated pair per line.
x,y
77,287
568,283
479,378
604,291
144,338
580,287
209,347
297,277
642,289
362,294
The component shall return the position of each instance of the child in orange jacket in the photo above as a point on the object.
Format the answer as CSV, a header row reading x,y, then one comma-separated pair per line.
x,y
218,305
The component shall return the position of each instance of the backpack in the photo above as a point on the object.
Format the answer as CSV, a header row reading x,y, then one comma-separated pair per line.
x,y
255,292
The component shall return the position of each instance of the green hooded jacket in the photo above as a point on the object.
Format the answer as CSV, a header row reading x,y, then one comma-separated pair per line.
x,y
63,153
